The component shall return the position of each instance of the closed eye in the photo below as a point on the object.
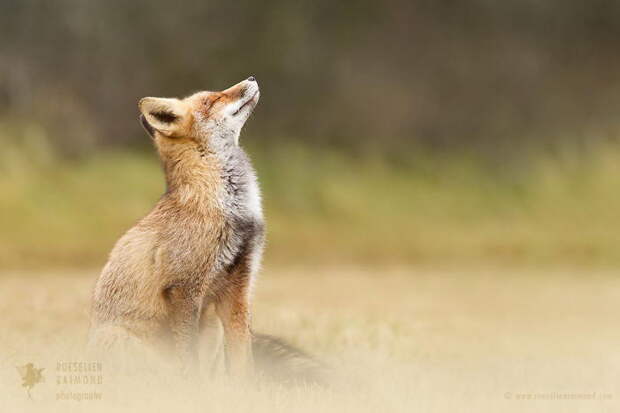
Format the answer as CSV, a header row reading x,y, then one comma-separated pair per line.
x,y
211,103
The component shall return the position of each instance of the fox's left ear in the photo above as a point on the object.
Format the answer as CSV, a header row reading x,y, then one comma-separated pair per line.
x,y
168,116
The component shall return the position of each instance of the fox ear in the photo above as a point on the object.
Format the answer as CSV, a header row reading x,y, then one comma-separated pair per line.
x,y
168,116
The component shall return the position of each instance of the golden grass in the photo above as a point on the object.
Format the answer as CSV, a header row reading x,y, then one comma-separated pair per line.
x,y
402,339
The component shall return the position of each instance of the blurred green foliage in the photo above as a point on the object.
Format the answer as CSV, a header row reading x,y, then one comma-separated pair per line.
x,y
324,207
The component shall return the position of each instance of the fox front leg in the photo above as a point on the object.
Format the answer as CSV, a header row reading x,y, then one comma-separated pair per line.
x,y
184,313
233,310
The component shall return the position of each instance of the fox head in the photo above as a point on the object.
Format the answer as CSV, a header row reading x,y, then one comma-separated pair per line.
x,y
205,120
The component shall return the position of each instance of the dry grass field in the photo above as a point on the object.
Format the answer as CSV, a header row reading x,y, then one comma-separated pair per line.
x,y
427,340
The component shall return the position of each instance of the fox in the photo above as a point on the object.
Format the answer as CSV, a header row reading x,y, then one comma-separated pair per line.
x,y
182,278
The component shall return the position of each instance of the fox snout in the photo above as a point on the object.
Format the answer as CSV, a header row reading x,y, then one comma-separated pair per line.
x,y
244,90
242,97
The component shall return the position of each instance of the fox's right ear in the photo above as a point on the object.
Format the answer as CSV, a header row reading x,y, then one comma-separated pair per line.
x,y
168,116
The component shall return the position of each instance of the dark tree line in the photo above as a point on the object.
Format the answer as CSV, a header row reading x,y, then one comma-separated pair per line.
x,y
476,74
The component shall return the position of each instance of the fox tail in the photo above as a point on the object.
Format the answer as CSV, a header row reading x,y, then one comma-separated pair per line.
x,y
281,362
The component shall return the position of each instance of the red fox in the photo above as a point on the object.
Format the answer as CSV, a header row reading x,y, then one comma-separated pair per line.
x,y
200,247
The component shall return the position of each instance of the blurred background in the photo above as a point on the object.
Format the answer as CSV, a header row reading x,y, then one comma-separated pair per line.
x,y
440,180
388,133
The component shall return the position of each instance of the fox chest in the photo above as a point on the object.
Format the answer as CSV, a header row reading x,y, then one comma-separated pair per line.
x,y
218,238
210,245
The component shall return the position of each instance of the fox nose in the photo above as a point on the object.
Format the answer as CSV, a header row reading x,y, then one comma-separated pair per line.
x,y
252,79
